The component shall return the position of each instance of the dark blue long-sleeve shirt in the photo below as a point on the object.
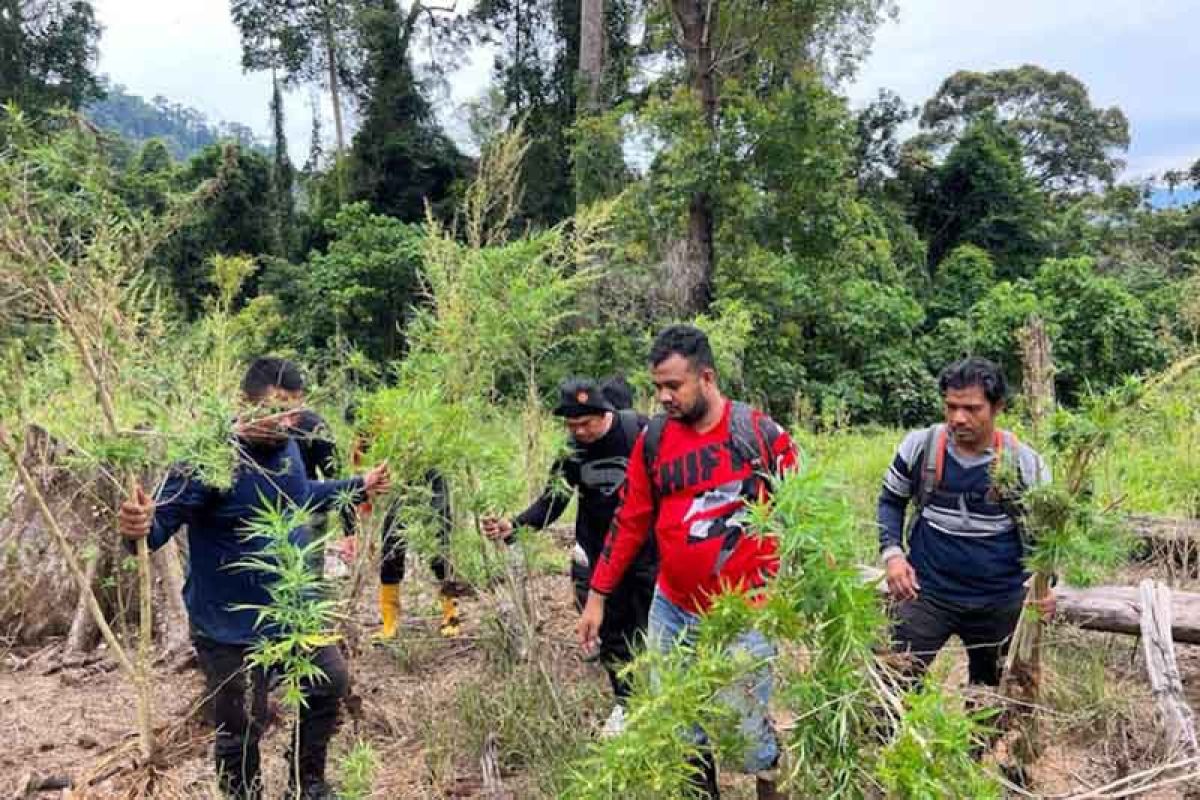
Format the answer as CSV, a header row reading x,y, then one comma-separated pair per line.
x,y
964,547
216,523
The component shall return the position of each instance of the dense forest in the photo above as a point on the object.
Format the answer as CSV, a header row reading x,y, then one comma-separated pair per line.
x,y
864,247
630,165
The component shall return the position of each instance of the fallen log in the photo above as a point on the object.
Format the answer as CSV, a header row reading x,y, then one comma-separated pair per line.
x,y
1118,609
1111,609
1164,529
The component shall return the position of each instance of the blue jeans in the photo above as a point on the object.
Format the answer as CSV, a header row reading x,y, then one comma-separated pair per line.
x,y
671,626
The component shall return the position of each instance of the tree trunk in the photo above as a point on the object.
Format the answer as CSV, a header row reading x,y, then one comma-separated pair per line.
x,y
693,19
83,633
591,54
173,626
1038,370
335,96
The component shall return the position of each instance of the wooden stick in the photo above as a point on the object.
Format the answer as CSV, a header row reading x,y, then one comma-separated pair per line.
x,y
1179,725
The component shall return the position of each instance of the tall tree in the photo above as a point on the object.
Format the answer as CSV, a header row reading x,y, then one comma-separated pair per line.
x,y
302,38
283,175
48,52
1067,143
537,70
740,44
591,53
400,157
981,195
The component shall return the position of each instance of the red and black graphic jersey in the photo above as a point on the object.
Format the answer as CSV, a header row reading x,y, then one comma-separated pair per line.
x,y
696,503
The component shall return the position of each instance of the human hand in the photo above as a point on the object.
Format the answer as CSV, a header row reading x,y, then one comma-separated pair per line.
x,y
136,514
587,629
496,528
378,480
1047,605
901,579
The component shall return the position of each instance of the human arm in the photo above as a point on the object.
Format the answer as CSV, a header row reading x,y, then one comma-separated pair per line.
x,y
542,513
894,497
325,495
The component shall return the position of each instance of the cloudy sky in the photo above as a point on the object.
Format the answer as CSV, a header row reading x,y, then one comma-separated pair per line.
x,y
1137,55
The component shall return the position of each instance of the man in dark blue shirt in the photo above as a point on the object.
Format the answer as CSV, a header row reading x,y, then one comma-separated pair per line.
x,y
963,573
218,590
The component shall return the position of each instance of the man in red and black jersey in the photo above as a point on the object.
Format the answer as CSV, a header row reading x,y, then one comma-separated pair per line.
x,y
691,476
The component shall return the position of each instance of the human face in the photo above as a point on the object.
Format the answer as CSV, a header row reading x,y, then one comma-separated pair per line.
x,y
682,390
268,419
970,418
588,429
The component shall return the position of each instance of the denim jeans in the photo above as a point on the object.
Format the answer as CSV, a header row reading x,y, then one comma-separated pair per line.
x,y
671,626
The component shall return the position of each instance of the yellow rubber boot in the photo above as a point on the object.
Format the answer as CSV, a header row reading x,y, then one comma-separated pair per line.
x,y
450,621
389,610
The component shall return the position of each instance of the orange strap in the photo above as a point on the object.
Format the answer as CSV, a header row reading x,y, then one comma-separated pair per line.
x,y
940,464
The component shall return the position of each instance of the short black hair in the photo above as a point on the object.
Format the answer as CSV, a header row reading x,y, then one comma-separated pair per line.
x,y
975,371
270,372
683,340
618,392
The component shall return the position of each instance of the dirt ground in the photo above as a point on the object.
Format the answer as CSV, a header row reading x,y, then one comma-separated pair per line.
x,y
64,722
71,722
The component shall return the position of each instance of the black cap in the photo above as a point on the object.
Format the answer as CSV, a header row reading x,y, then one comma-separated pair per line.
x,y
581,397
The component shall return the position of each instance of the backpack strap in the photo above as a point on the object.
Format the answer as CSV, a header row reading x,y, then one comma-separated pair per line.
x,y
926,473
653,433
631,424
746,432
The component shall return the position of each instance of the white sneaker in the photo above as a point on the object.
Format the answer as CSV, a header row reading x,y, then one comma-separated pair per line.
x,y
615,725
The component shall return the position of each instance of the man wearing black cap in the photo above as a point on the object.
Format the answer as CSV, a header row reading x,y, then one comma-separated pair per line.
x,y
601,440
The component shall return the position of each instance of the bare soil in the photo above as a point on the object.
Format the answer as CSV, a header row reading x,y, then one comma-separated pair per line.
x,y
69,721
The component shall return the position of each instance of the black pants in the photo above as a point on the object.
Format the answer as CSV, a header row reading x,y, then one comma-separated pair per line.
x,y
395,552
626,614
238,694
923,626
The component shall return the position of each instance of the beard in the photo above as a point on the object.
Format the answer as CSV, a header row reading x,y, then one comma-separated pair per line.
x,y
698,410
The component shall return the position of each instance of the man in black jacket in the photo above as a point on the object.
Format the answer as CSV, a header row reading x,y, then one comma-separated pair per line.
x,y
601,440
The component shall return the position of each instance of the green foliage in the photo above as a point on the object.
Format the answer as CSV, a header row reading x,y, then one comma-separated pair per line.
x,y
184,131
1105,332
400,159
1069,533
933,751
240,221
1067,143
981,195
78,253
48,52
496,309
358,769
360,288
961,280
299,618
1153,464
848,725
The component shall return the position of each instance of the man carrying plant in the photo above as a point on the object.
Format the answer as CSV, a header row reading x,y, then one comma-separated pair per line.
x,y
691,477
961,571
602,439
218,592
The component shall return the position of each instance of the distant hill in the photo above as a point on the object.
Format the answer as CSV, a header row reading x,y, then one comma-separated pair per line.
x,y
184,130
